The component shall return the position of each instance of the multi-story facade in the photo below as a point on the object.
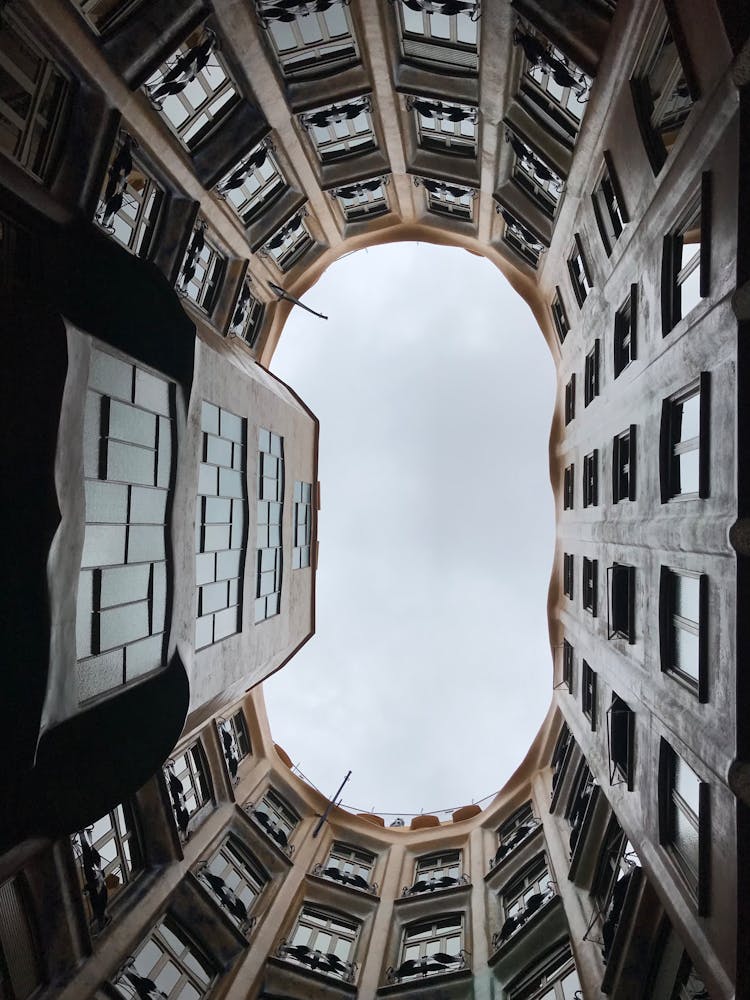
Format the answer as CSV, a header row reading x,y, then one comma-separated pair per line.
x,y
165,168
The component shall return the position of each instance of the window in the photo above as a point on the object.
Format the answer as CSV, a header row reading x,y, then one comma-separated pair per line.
x,y
616,866
270,508
560,757
444,126
621,586
189,785
130,202
686,260
514,832
591,375
589,585
683,812
568,665
552,87
560,317
289,243
106,14
520,238
623,465
534,175
442,41
570,399
341,130
580,276
316,43
108,858
234,881
276,817
363,200
448,199
202,271
568,484
672,973
663,93
302,525
128,444
568,562
247,318
235,741
430,947
349,865
168,962
582,798
192,90
20,960
33,99
625,343
609,209
436,871
521,899
253,184
588,693
555,978
591,479
621,742
685,442
683,614
220,525
325,941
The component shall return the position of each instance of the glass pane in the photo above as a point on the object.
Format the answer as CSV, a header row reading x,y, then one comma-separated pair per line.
x,y
689,471
686,597
686,652
686,783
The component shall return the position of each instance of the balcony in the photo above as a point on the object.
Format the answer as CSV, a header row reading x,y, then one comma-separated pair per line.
x,y
430,965
434,885
518,837
270,828
326,963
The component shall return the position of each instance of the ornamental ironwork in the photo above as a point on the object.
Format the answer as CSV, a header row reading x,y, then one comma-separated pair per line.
x,y
182,69
117,181
231,903
533,163
95,881
564,72
270,827
282,235
290,10
177,796
335,113
510,843
434,884
239,174
441,111
446,7
236,326
441,961
514,923
318,961
521,232
197,242
345,878
360,188
442,189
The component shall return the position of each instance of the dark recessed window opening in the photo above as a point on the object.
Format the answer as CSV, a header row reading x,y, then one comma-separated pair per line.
x,y
621,603
625,343
589,584
591,479
684,445
621,741
591,375
623,465
588,693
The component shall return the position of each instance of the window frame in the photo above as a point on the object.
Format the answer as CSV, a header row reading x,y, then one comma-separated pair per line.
x,y
672,448
247,315
621,727
319,920
427,869
591,374
621,591
245,869
157,936
149,203
553,969
589,585
95,867
326,147
268,530
693,871
579,272
352,863
625,341
282,819
202,252
268,191
534,881
234,737
200,786
570,399
589,693
440,55
311,60
624,465
670,620
674,273
433,925
590,479
609,205
569,487
568,574
559,316
568,671
435,138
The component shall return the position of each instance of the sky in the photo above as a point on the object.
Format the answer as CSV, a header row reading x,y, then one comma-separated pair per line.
x,y
430,671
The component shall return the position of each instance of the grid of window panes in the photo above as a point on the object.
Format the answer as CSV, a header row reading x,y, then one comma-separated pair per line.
x,y
167,962
235,739
319,41
108,857
132,216
539,181
608,211
663,94
446,864
555,979
684,443
202,283
443,935
290,247
686,259
302,525
220,524
683,814
234,881
280,814
260,186
589,584
520,897
33,97
187,779
247,317
442,39
436,131
344,135
685,624
515,238
362,201
326,932
127,462
579,275
194,111
564,104
351,861
453,201
104,14
270,509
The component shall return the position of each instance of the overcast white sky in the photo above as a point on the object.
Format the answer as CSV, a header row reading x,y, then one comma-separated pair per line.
x,y
430,672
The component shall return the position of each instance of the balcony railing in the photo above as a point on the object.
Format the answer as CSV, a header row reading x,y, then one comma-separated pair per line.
x,y
430,965
317,961
514,924
234,906
346,878
434,884
270,827
518,836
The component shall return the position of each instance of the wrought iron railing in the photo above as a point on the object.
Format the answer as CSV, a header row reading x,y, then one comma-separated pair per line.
x,y
270,828
514,923
514,840
317,961
346,878
430,965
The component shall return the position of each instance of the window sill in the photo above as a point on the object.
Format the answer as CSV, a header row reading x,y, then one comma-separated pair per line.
x,y
463,888
426,985
288,976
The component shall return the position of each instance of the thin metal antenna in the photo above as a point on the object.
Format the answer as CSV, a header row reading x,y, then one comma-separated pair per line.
x,y
282,294
331,803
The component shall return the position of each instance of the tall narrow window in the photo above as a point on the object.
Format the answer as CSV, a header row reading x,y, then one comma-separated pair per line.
x,y
363,200
560,317
609,209
247,318
570,399
591,479
591,375
202,271
33,100
235,741
588,693
589,584
234,881
189,785
436,871
580,276
289,243
568,487
429,948
621,610
270,508
309,43
221,525
683,807
685,442
686,260
166,964
341,130
683,610
349,865
524,897
324,940
623,465
276,816
128,464
192,90
453,200
568,563
568,665
253,184
621,742
302,525
130,202
625,343
108,858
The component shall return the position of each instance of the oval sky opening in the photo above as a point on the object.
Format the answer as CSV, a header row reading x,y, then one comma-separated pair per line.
x,y
430,672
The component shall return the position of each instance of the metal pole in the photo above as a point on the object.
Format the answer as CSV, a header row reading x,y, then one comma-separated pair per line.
x,y
332,802
290,298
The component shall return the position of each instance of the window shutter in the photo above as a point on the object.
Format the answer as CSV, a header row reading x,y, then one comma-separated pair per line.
x,y
666,601
584,262
631,605
614,180
615,468
633,322
572,396
633,462
667,285
665,450
596,367
594,566
595,477
705,264
705,437
703,638
600,225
